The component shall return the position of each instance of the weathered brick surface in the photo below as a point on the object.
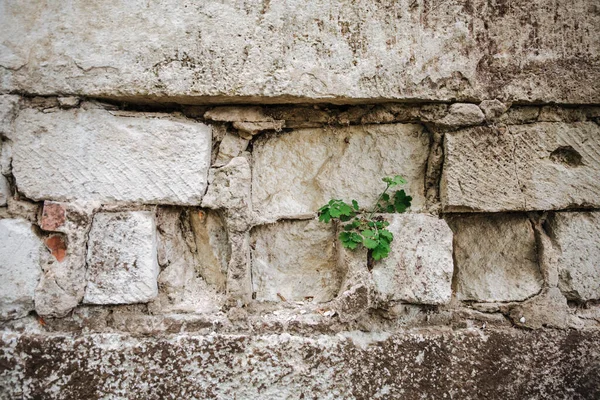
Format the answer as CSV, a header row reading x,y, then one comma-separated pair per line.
x,y
541,166
94,155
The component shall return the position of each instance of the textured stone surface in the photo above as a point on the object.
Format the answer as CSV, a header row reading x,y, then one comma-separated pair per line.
x,y
20,251
329,49
542,166
577,236
212,246
462,114
542,364
9,105
187,260
296,173
419,267
549,309
230,190
4,190
230,147
95,155
62,284
496,257
121,261
295,260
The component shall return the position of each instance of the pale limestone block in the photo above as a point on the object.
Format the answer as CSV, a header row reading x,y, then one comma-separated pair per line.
x,y
326,51
295,260
577,236
295,173
541,166
462,114
93,155
495,257
20,271
419,267
122,265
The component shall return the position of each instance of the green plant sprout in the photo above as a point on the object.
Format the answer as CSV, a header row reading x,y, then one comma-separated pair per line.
x,y
368,230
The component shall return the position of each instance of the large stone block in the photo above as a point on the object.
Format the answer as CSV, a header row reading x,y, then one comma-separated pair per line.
x,y
122,262
419,267
577,235
496,258
95,155
297,51
507,364
298,172
540,166
20,271
295,260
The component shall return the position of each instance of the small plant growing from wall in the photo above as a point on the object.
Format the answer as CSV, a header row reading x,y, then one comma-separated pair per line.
x,y
367,229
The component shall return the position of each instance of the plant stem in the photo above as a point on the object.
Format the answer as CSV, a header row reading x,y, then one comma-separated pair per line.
x,y
377,202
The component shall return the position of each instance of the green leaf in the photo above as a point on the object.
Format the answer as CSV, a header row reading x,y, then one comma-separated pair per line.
x,y
325,217
368,233
350,245
387,235
390,208
356,238
385,197
380,252
348,227
355,204
401,201
370,243
345,236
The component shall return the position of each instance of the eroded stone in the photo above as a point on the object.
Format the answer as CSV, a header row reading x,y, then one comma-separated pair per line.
x,y
20,271
492,109
577,237
542,166
121,261
110,158
496,257
294,174
549,309
188,262
4,190
461,114
326,51
295,260
419,267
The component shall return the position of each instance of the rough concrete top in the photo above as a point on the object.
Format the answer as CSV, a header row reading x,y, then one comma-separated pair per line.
x,y
326,50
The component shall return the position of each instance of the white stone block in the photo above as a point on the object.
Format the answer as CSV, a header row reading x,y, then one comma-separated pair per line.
x,y
328,50
122,265
296,173
20,271
419,267
93,155
540,166
295,261
577,235
496,257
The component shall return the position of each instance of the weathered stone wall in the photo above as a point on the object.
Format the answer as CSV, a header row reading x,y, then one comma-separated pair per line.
x,y
157,244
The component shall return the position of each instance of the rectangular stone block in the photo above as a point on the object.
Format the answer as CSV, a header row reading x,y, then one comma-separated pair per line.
x,y
419,267
295,260
540,166
20,270
296,173
93,155
577,236
496,257
329,50
122,264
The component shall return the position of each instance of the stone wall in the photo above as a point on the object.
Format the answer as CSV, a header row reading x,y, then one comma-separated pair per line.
x,y
162,165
